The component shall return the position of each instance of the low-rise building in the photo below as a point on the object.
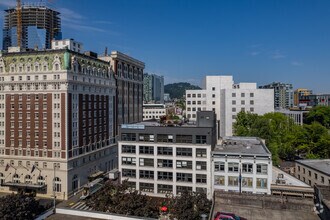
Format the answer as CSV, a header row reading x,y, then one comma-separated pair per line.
x,y
242,164
153,111
160,160
296,115
313,172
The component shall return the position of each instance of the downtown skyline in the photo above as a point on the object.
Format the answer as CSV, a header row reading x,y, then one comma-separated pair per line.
x,y
256,41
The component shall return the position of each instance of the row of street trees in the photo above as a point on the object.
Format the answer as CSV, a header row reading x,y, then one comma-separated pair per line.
x,y
285,139
120,199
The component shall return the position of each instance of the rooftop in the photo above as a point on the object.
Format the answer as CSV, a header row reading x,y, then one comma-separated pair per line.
x,y
321,165
286,179
242,145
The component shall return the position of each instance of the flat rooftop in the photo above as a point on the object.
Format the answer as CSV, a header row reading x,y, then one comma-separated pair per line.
x,y
322,165
242,145
289,180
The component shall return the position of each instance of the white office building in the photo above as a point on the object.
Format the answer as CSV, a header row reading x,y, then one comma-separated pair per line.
x,y
227,99
153,111
242,164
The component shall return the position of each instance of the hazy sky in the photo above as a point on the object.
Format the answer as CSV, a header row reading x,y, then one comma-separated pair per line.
x,y
255,41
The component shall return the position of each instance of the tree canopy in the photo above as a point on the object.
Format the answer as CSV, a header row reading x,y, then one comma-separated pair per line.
x,y
285,139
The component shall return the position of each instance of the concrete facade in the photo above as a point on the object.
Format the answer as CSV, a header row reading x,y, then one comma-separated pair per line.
x,y
242,164
227,99
160,160
153,111
283,94
70,44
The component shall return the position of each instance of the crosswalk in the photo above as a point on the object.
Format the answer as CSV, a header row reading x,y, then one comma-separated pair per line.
x,y
81,205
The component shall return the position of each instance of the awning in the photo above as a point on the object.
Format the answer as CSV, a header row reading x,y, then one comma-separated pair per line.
x,y
24,185
95,175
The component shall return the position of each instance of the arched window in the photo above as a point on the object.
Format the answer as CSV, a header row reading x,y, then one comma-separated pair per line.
x,y
41,181
28,179
57,184
16,178
75,182
2,178
57,66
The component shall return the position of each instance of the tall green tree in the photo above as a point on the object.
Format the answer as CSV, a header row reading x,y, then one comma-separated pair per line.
x,y
320,114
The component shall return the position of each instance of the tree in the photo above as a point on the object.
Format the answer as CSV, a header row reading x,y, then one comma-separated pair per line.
x,y
320,114
19,206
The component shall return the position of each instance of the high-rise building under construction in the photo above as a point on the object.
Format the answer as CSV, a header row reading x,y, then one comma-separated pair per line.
x,y
31,25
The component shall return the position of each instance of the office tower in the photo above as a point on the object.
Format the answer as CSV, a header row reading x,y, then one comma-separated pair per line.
x,y
153,88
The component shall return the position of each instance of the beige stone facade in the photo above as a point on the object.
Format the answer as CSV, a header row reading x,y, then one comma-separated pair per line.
x,y
313,172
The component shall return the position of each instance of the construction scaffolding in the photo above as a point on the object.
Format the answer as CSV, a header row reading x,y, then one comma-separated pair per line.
x,y
18,24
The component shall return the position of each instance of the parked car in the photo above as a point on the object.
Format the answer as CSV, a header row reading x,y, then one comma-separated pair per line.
x,y
227,216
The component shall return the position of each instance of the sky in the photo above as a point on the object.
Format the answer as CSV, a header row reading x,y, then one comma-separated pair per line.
x,y
184,40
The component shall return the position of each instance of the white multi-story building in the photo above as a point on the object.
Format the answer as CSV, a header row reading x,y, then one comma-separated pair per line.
x,y
160,160
153,111
70,44
227,99
242,164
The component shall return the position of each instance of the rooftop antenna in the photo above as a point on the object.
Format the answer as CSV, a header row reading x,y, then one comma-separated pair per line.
x,y
106,51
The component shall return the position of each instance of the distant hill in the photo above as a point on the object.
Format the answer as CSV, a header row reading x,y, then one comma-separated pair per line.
x,y
177,90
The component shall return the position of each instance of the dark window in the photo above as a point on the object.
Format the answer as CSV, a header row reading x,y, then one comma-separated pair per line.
x,y
184,177
131,184
315,176
184,139
200,139
146,162
165,176
147,187
129,160
164,163
201,190
129,173
181,189
262,168
164,151
232,167
187,152
161,188
146,150
200,152
164,138
146,137
146,174
200,165
247,168
128,149
219,166
201,178
128,137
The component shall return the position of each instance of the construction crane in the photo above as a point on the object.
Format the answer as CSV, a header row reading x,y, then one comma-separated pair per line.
x,y
19,22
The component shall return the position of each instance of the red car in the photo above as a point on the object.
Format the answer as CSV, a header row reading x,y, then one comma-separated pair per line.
x,y
227,216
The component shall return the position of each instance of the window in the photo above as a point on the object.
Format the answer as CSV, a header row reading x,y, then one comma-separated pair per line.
x,y
213,95
251,102
147,187
165,176
219,180
164,151
315,176
200,165
186,152
233,94
184,139
247,168
232,181
247,182
219,166
232,167
164,189
128,137
233,102
184,177
164,163
213,102
243,94
200,152
309,173
128,149
322,179
57,184
213,88
129,173
16,178
201,178
262,169
251,94
233,109
200,139
242,102
164,138
146,174
261,183
183,164
146,162
182,189
129,160
251,109
146,150
146,137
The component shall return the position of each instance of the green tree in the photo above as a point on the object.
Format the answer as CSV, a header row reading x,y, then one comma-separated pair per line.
x,y
319,114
